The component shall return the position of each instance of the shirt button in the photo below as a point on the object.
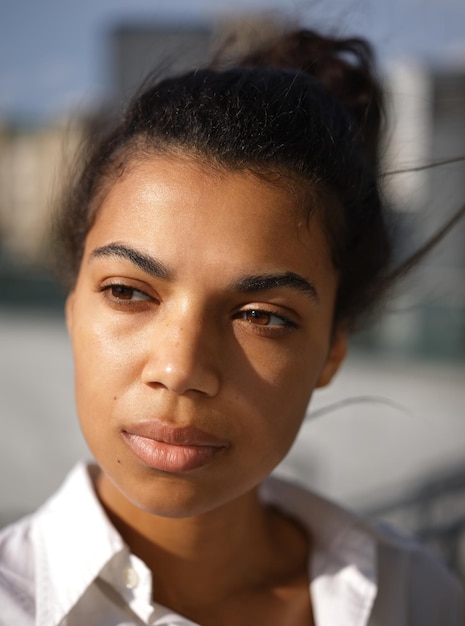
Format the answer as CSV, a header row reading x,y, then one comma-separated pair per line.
x,y
130,577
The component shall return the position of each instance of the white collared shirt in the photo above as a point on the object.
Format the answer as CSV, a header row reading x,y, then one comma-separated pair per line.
x,y
66,565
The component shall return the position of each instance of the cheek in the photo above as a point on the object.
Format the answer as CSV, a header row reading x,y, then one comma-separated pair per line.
x,y
274,388
284,372
105,361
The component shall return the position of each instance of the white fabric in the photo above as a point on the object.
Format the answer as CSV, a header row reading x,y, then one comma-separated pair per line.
x,y
67,565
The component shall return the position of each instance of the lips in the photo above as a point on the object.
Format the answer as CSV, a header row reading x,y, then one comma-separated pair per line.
x,y
170,449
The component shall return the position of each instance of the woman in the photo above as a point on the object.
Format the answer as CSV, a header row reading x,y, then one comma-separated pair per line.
x,y
219,245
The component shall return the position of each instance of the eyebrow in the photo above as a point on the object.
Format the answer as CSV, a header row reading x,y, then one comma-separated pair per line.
x,y
267,282
248,284
146,263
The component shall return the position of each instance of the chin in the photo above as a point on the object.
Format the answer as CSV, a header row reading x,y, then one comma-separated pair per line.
x,y
174,497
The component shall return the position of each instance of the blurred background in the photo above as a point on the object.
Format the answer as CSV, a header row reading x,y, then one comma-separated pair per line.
x,y
388,437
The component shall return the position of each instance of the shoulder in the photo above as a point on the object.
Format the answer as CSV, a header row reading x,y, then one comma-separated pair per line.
x,y
412,577
17,577
409,584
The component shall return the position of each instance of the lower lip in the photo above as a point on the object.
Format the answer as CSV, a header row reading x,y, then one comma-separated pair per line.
x,y
168,457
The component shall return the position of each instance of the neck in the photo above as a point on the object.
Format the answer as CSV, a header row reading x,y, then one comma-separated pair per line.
x,y
236,547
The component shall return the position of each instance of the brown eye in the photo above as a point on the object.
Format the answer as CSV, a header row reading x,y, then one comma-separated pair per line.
x,y
124,293
261,317
258,317
121,292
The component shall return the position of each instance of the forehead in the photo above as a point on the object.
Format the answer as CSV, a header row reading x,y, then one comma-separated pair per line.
x,y
171,202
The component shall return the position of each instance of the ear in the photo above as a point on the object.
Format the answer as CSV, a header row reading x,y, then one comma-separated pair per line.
x,y
69,308
336,355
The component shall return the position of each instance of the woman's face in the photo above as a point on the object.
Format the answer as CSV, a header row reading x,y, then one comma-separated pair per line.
x,y
201,322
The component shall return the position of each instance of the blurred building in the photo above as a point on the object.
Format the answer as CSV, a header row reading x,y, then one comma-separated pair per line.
x,y
33,165
426,112
138,52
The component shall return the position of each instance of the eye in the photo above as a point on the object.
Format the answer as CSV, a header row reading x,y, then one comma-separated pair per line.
x,y
262,317
120,293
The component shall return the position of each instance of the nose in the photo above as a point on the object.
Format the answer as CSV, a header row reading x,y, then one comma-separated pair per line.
x,y
183,356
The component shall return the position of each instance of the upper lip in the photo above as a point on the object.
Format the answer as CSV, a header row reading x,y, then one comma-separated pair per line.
x,y
174,435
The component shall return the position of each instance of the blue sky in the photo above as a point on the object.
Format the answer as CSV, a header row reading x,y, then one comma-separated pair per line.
x,y
53,53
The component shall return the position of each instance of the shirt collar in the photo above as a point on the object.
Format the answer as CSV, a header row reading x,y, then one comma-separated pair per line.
x,y
70,524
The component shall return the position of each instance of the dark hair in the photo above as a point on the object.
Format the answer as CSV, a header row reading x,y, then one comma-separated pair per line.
x,y
305,110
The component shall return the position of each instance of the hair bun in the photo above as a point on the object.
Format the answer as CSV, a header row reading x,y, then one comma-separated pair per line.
x,y
345,67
